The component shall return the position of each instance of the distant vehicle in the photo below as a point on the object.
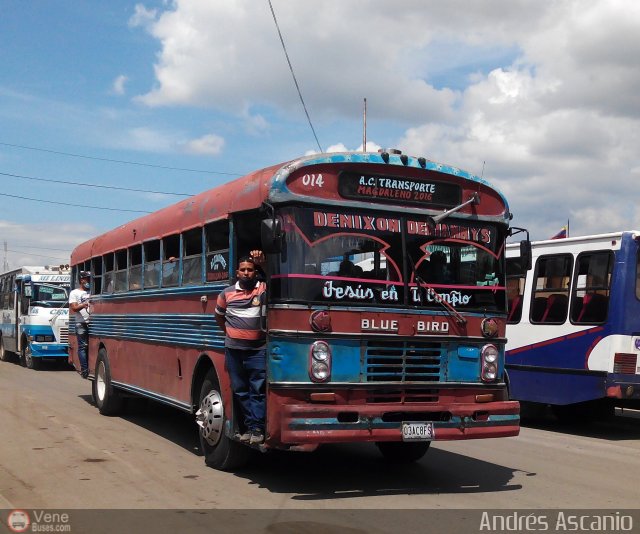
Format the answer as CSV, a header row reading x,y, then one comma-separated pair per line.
x,y
574,324
366,342
34,303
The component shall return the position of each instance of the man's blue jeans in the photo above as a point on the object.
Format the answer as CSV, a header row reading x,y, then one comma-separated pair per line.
x,y
247,370
82,335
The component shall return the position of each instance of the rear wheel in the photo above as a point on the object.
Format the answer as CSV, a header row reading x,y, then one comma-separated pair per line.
x,y
27,358
107,398
219,451
399,452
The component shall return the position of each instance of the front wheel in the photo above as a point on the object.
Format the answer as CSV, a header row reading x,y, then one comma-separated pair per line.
x,y
4,355
27,358
219,451
107,398
399,452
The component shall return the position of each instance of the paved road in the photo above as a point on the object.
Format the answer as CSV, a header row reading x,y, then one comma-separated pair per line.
x,y
56,451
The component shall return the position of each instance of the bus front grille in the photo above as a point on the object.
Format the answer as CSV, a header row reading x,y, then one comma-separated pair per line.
x,y
63,334
402,396
403,361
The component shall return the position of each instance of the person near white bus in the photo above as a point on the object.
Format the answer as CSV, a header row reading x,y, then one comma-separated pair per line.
x,y
79,302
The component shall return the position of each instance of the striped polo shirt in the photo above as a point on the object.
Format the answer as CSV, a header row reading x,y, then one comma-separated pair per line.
x,y
241,310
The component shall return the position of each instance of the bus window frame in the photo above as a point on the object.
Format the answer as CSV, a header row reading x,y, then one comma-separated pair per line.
x,y
606,287
154,263
551,290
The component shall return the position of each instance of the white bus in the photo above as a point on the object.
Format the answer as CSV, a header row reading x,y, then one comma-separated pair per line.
x,y
573,327
34,302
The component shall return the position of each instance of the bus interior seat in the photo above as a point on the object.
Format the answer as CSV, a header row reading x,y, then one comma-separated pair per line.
x,y
515,309
538,308
556,310
594,308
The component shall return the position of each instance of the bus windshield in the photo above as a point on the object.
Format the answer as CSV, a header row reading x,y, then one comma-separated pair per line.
x,y
49,294
359,257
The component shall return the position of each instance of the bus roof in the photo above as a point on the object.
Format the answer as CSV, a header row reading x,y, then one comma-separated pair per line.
x,y
276,185
583,239
39,269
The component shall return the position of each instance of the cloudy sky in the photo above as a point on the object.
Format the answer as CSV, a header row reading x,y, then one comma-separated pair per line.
x,y
158,97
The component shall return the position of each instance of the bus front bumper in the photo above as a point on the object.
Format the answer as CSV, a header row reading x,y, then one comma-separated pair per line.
x,y
292,423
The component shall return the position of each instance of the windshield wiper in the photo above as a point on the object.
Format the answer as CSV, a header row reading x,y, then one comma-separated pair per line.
x,y
459,318
475,199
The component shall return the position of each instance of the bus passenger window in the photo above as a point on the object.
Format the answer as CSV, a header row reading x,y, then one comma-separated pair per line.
x,y
120,275
551,283
192,257
171,261
590,303
135,267
108,277
151,264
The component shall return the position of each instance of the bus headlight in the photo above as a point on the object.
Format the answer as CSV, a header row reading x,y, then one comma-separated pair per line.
x,y
44,339
489,363
320,361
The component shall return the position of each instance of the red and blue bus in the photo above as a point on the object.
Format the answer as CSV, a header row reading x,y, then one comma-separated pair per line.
x,y
574,325
367,341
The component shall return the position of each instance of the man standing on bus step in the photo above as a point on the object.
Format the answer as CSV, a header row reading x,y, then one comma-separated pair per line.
x,y
79,305
238,314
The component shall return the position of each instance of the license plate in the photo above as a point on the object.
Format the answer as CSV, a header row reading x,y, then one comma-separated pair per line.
x,y
418,432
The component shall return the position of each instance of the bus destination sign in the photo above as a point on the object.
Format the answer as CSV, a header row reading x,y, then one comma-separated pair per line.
x,y
398,189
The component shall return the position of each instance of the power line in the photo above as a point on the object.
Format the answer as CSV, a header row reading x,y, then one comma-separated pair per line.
x,y
94,185
38,255
40,248
294,76
73,205
125,162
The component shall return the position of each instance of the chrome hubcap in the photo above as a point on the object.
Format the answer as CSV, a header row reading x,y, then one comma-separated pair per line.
x,y
210,417
101,385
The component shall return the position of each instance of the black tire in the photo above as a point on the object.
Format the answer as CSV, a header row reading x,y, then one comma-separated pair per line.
x,y
399,452
4,355
107,398
28,360
219,451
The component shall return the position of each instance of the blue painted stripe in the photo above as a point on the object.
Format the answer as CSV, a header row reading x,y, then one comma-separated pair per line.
x,y
188,330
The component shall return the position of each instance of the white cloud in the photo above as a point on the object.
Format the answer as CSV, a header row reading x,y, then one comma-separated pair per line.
x,y
142,17
545,98
35,244
209,144
118,84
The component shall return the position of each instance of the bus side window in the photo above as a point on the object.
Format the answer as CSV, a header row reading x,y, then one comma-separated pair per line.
x,y
217,268
192,257
108,273
551,289
96,270
151,264
135,267
171,260
591,293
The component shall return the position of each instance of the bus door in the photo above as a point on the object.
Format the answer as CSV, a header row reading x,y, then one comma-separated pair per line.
x,y
23,297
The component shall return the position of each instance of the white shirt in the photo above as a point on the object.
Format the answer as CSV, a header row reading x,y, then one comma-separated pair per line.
x,y
80,296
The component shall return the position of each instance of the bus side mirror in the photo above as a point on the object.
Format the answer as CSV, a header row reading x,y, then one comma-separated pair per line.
x,y
271,235
525,255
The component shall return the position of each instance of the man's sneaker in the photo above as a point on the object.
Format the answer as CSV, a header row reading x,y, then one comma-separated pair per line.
x,y
84,374
244,438
257,437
